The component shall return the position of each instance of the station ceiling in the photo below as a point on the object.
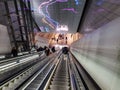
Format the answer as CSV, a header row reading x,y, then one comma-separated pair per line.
x,y
99,13
23,18
49,14
79,15
74,13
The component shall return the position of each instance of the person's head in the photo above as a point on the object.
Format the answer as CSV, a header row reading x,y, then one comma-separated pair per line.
x,y
14,48
45,47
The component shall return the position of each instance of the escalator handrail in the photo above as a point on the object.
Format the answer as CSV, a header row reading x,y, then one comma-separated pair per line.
x,y
16,58
7,83
36,75
17,64
72,81
39,73
46,76
75,71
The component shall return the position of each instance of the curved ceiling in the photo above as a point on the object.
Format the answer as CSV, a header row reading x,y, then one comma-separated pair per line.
x,y
51,14
100,13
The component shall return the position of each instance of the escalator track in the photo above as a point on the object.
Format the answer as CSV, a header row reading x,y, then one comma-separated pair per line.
x,y
60,79
37,81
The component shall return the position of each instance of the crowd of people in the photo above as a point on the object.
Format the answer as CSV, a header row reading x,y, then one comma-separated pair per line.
x,y
45,49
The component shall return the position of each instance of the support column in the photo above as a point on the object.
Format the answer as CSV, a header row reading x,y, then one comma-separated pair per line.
x,y
25,25
18,18
30,14
10,23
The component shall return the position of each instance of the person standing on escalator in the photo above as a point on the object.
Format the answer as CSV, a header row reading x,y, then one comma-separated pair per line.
x,y
53,49
47,51
14,52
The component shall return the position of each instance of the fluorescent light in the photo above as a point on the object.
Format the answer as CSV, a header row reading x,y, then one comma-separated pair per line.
x,y
62,28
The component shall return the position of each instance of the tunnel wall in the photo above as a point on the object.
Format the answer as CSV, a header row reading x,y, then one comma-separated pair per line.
x,y
41,41
5,46
99,53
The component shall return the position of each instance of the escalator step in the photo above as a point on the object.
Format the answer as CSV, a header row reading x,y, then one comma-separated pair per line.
x,y
61,76
60,83
59,87
60,79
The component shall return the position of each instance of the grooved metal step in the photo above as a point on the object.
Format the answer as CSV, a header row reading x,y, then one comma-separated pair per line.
x,y
59,87
59,83
61,76
60,79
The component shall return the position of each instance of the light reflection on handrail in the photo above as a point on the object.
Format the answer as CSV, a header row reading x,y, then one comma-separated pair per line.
x,y
71,80
19,57
13,64
7,83
75,75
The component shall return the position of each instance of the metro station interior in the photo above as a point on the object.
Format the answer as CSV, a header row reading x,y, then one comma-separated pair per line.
x,y
59,44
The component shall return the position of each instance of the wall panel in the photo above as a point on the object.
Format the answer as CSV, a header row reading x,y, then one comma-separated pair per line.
x,y
5,46
99,53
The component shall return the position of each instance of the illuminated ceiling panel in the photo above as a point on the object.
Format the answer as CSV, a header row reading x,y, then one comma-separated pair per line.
x,y
49,14
100,13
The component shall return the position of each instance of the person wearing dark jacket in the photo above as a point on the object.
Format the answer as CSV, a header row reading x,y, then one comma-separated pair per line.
x,y
65,50
53,49
14,52
47,51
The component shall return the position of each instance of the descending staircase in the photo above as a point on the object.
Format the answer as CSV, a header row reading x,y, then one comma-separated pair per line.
x,y
60,79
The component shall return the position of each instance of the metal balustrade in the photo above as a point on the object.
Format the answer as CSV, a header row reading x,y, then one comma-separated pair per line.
x,y
39,78
56,72
60,77
78,81
15,82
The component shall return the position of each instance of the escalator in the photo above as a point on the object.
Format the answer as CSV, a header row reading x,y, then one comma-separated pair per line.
x,y
60,79
38,79
56,72
24,71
